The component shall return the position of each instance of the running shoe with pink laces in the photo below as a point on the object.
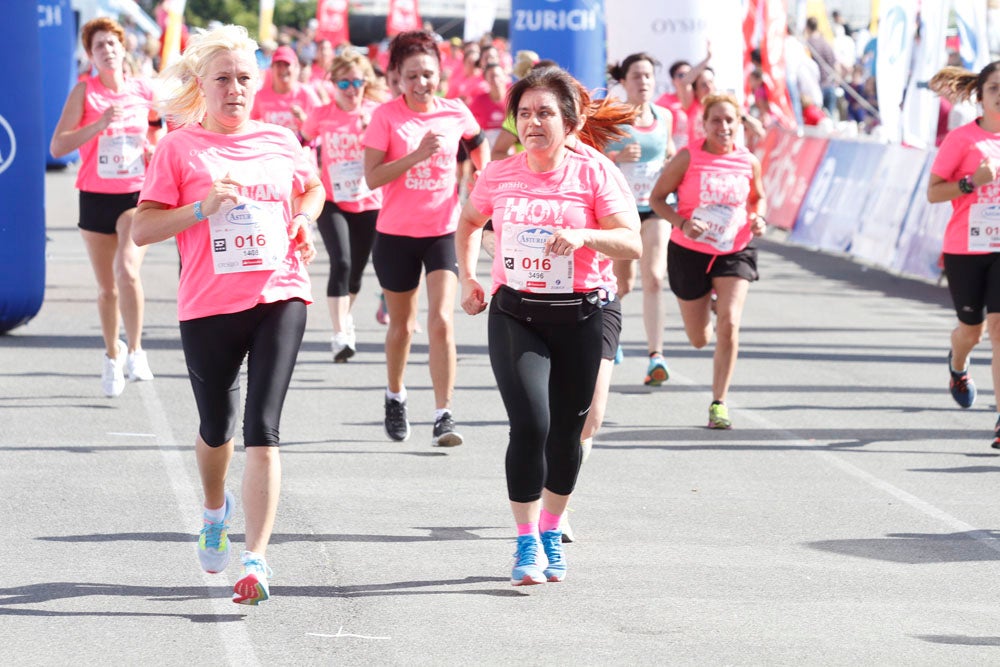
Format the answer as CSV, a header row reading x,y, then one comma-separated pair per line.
x,y
252,587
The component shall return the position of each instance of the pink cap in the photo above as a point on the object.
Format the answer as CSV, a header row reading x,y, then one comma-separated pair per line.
x,y
284,54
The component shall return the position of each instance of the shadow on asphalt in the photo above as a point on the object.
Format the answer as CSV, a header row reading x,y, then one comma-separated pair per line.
x,y
435,534
919,548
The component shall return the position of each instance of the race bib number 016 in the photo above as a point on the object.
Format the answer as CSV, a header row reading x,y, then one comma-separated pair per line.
x,y
984,227
120,156
723,223
528,268
248,236
348,181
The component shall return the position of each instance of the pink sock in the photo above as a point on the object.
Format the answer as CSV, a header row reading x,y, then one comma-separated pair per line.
x,y
527,529
547,521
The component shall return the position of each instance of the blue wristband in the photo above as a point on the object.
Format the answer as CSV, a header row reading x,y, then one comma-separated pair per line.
x,y
198,215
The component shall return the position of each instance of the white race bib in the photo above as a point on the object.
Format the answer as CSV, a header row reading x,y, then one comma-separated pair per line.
x,y
248,236
120,156
984,228
528,268
641,176
723,223
348,181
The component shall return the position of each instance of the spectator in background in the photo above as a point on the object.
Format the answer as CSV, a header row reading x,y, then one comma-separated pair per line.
x,y
825,57
838,21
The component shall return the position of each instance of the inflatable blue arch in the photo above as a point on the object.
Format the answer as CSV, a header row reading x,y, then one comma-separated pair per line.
x,y
23,147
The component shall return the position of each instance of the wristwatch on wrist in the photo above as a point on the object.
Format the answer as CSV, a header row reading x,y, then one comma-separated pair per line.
x,y
304,215
966,185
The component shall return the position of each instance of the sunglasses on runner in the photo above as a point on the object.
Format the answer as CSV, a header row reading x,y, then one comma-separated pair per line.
x,y
344,84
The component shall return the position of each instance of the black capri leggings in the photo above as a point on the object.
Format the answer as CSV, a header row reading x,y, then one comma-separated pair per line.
x,y
348,238
546,376
269,336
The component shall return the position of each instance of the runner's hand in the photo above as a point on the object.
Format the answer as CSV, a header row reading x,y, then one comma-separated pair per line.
x,y
473,297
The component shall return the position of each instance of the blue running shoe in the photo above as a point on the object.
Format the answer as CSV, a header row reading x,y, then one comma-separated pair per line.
x,y
657,373
619,355
963,389
213,542
552,544
252,586
527,571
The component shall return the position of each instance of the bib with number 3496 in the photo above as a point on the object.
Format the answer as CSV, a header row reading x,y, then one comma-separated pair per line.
x,y
248,236
527,267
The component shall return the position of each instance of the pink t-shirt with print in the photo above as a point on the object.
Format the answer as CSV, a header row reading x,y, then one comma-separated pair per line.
x,y
338,134
960,154
573,195
272,107
270,166
113,162
716,179
423,202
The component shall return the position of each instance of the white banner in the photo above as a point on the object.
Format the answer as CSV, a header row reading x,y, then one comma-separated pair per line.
x,y
921,106
672,30
479,18
974,46
896,23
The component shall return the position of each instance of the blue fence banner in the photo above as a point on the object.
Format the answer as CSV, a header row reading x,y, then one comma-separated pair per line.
x,y
920,241
22,170
837,195
570,32
57,31
893,187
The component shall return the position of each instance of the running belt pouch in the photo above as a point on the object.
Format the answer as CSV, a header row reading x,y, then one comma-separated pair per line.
x,y
571,309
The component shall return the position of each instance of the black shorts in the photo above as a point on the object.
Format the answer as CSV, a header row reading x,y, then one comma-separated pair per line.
x,y
398,260
646,215
974,283
611,333
100,212
691,272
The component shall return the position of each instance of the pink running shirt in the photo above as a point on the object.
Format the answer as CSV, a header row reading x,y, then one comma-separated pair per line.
x,y
122,141
575,194
338,134
271,166
271,107
672,103
423,202
716,179
960,154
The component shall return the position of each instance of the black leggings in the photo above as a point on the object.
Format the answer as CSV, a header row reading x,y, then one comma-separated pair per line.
x,y
546,376
348,238
214,349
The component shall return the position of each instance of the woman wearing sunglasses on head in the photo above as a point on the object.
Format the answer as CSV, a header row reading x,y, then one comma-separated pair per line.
x,y
347,223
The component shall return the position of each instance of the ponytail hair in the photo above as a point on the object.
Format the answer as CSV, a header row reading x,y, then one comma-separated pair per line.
x,y
600,119
959,84
618,72
183,102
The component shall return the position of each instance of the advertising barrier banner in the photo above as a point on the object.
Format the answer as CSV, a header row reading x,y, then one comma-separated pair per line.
x,y
893,188
837,195
919,249
57,31
788,163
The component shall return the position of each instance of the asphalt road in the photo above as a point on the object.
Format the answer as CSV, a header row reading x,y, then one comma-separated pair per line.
x,y
848,518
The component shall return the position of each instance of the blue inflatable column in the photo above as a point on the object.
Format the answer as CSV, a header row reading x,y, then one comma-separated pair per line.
x,y
57,30
570,32
23,147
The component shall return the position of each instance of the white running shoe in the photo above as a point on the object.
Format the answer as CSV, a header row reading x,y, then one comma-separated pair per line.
x,y
113,375
137,366
343,346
